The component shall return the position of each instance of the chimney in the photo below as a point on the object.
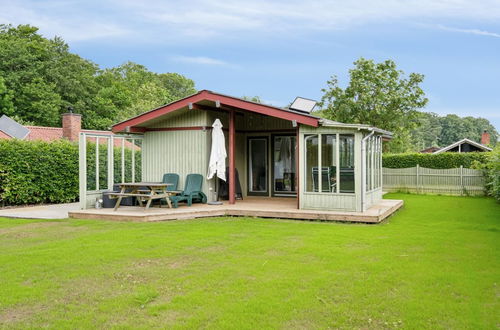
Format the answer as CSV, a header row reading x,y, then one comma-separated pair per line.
x,y
71,125
485,138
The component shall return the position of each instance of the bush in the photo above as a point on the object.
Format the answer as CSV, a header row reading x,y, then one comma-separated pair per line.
x,y
47,172
437,161
491,168
38,172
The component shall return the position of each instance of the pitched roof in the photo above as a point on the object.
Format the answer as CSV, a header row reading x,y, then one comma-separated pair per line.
x,y
225,101
453,145
49,134
12,128
44,133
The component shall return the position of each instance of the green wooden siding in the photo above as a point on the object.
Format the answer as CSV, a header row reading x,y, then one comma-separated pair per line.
x,y
182,118
181,152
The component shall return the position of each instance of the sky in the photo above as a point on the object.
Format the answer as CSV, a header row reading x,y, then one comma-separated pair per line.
x,y
278,50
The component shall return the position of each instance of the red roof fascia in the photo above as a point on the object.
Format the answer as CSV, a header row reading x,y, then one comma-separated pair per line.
x,y
224,100
158,112
264,109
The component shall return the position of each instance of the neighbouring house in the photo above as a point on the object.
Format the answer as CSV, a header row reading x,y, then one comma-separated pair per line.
x,y
429,150
70,130
277,152
466,145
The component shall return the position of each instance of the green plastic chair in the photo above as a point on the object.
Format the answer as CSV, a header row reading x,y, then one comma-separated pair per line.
x,y
171,178
192,191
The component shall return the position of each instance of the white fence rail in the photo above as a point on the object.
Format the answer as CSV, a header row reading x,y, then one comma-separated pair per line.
x,y
421,180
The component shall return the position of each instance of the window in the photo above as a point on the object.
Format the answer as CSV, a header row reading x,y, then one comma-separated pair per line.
x,y
373,158
311,162
329,163
346,153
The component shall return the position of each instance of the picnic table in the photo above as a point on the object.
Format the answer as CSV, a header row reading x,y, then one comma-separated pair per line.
x,y
144,191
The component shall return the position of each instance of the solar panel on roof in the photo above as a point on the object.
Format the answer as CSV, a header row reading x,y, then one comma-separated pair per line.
x,y
303,104
13,128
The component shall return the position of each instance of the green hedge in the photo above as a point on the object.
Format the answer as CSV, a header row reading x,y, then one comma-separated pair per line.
x,y
491,169
103,167
40,172
438,161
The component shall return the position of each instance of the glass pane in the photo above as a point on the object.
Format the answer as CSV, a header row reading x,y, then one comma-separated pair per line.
x,y
311,146
367,165
284,163
258,165
328,163
346,154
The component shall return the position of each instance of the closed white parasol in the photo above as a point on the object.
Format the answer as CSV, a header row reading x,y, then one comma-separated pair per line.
x,y
217,163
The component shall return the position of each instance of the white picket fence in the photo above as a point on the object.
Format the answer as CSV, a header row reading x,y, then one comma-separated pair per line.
x,y
421,180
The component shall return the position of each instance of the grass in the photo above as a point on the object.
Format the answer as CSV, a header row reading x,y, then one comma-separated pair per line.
x,y
435,264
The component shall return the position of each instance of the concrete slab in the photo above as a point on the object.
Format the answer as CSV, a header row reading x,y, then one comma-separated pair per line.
x,y
49,211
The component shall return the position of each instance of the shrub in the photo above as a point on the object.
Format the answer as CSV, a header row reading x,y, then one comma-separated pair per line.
x,y
491,169
437,161
47,172
38,172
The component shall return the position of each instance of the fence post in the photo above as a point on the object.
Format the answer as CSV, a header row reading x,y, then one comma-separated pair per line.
x,y
417,168
461,180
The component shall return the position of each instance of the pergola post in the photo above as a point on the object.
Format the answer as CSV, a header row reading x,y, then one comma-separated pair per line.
x,y
231,157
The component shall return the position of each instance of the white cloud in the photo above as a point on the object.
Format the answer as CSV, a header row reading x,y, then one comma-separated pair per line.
x,y
202,60
63,19
470,31
189,21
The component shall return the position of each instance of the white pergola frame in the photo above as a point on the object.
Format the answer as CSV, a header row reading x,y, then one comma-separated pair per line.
x,y
84,193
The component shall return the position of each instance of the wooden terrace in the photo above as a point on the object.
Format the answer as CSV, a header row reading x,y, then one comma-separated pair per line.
x,y
265,207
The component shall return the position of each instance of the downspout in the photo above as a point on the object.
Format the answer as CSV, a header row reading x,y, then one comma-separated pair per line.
x,y
363,169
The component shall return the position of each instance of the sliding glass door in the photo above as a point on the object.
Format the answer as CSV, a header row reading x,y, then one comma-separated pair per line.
x,y
284,165
257,166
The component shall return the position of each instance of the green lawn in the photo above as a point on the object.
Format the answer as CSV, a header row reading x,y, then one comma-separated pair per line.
x,y
435,264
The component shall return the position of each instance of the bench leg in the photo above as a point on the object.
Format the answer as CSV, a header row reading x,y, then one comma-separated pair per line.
x,y
169,203
148,203
119,200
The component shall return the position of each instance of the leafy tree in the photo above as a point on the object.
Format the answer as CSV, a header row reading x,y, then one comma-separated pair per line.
x,y
252,99
377,94
427,132
46,78
6,104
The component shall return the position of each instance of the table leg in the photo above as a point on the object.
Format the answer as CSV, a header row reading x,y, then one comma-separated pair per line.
x,y
151,194
122,191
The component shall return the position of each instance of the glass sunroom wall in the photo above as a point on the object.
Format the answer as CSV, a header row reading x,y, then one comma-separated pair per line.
x,y
329,163
347,170
311,163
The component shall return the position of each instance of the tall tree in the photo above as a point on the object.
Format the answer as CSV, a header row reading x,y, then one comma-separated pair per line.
x,y
41,78
377,94
44,77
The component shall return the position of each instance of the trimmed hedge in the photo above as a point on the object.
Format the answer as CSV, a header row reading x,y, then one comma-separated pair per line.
x,y
34,172
437,161
38,172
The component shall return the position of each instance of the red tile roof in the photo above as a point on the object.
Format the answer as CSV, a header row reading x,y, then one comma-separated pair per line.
x,y
4,135
44,133
49,134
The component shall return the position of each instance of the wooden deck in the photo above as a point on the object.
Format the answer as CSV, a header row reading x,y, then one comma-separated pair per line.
x,y
284,208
